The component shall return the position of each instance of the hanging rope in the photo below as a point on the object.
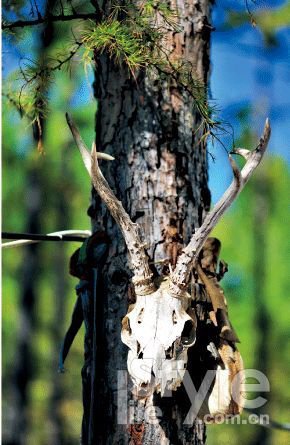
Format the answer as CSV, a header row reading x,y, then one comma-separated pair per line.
x,y
29,238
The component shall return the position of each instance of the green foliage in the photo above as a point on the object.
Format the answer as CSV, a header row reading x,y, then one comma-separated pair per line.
x,y
133,35
237,231
118,40
31,97
32,100
73,187
138,39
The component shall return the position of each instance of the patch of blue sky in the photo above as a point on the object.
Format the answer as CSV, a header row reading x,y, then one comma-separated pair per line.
x,y
84,94
245,74
18,53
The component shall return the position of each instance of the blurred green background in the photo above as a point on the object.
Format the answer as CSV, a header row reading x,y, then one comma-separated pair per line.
x,y
46,192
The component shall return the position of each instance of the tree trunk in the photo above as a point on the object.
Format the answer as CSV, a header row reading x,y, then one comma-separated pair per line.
x,y
261,198
56,430
24,363
160,175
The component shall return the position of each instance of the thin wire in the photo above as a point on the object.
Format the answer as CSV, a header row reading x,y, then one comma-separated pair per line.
x,y
63,235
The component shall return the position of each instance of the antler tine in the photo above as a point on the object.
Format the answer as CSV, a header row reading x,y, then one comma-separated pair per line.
x,y
179,277
142,279
80,143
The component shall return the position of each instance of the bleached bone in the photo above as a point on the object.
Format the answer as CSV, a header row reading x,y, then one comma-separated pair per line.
x,y
161,326
158,330
180,276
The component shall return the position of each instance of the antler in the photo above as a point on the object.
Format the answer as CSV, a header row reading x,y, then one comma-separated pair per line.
x,y
179,277
142,279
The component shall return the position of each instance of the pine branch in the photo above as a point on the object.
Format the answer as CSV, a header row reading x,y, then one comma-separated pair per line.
x,y
50,19
59,63
72,53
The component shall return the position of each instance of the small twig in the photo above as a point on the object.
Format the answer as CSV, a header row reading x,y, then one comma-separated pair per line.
x,y
71,55
37,10
50,19
14,103
31,13
47,69
61,7
253,21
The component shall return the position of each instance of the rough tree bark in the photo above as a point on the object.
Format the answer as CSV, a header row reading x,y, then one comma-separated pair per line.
x,y
160,175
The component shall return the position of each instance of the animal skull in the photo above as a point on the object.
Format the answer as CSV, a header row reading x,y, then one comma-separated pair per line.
x,y
158,330
160,327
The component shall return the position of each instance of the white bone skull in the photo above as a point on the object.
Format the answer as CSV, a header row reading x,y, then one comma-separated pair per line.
x,y
158,330
160,327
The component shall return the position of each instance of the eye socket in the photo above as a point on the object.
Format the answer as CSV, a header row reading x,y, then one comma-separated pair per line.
x,y
188,334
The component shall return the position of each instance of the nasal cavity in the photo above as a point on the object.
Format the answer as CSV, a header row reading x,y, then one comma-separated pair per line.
x,y
169,353
139,352
140,316
174,318
188,334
